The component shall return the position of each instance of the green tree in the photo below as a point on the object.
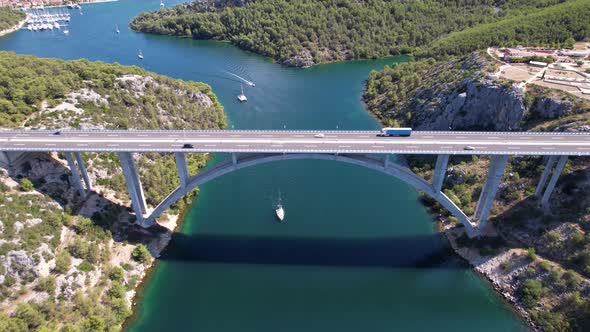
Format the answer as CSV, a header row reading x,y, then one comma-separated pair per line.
x,y
26,185
93,324
140,254
530,292
63,261
28,314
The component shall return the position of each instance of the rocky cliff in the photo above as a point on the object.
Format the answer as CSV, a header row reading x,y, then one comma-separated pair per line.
x,y
462,94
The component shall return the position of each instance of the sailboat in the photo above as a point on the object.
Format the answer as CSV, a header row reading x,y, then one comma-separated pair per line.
x,y
140,55
279,211
242,96
117,28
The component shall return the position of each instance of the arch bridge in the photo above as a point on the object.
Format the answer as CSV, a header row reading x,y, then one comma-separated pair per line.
x,y
251,148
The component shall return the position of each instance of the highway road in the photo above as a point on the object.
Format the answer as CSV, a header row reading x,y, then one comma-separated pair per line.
x,y
287,141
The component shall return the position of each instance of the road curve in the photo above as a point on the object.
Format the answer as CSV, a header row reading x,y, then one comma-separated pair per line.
x,y
288,141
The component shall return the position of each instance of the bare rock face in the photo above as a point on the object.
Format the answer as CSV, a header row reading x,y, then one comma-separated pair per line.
x,y
200,98
549,108
19,263
473,105
304,60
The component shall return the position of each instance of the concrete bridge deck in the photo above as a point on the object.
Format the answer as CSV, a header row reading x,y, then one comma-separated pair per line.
x,y
286,141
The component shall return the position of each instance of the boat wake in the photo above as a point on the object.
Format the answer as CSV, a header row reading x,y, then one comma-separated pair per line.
x,y
250,83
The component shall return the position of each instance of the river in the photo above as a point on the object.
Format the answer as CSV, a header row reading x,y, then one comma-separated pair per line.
x,y
357,250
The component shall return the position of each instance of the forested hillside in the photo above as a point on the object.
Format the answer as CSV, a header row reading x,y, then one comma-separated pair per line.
x,y
307,32
10,17
554,26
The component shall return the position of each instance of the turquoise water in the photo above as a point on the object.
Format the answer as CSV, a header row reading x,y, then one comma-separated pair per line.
x,y
357,250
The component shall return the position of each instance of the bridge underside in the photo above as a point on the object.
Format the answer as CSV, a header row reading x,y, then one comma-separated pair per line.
x,y
473,225
380,165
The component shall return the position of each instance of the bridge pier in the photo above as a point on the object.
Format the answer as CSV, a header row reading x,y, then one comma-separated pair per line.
x,y
83,170
75,175
234,159
554,177
182,168
490,188
133,185
439,171
546,172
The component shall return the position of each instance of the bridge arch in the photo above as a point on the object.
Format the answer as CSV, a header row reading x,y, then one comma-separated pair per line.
x,y
391,169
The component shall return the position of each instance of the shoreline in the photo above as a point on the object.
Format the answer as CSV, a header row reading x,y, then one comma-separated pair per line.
x,y
149,272
478,264
79,3
14,28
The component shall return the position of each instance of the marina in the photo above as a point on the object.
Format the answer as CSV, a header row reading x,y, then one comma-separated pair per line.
x,y
47,19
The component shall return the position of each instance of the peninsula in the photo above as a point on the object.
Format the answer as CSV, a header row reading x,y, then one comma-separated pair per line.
x,y
73,263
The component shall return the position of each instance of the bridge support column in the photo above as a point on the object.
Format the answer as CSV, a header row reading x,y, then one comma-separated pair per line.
x,y
182,168
133,185
490,188
556,173
82,169
75,175
234,159
386,161
548,168
439,171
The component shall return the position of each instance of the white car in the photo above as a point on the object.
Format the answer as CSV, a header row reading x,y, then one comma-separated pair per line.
x,y
469,147
320,135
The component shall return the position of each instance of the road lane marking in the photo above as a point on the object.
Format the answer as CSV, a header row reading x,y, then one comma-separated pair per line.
x,y
142,135
19,144
310,146
525,138
82,144
364,136
203,135
83,135
446,147
411,146
145,145
493,137
235,135
379,146
113,144
243,145
556,137
583,148
50,144
461,137
112,135
266,135
210,145
514,148
547,148
298,136
343,146
172,135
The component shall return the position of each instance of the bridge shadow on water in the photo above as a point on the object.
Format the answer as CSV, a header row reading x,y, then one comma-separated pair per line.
x,y
420,251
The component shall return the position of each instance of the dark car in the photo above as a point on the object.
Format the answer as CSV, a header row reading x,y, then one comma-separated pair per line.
x,y
187,146
57,132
